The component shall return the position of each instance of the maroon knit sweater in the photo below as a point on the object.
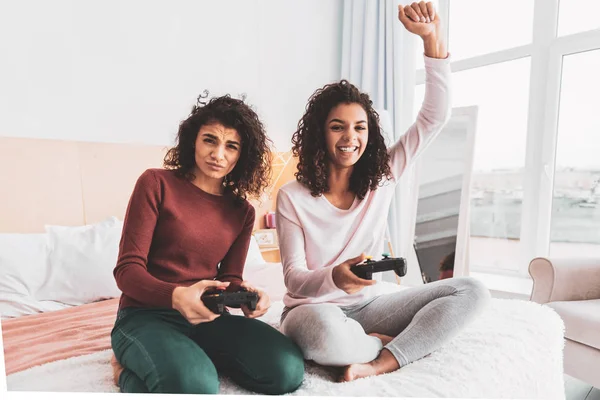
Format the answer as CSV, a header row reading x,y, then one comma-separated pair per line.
x,y
175,234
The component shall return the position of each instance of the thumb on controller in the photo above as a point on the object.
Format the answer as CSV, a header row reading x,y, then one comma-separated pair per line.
x,y
356,260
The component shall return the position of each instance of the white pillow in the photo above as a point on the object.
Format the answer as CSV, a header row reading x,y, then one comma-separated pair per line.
x,y
254,257
23,270
23,262
81,263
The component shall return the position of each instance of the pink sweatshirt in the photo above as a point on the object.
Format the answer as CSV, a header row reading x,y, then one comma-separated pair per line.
x,y
315,236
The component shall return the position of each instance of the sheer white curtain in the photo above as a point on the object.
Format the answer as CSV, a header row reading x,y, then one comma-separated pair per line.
x,y
378,56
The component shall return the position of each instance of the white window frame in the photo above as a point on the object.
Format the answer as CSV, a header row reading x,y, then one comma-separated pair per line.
x,y
546,53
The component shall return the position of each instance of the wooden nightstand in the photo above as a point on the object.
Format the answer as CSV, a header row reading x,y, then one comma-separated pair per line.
x,y
268,244
271,254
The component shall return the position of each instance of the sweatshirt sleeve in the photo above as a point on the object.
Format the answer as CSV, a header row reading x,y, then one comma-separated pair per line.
x,y
299,280
434,114
131,272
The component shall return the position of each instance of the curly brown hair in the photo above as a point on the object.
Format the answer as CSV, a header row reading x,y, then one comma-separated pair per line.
x,y
252,172
310,147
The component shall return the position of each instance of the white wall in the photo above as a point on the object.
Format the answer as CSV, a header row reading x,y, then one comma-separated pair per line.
x,y
129,71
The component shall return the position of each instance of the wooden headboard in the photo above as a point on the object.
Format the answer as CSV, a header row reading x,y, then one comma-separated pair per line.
x,y
74,183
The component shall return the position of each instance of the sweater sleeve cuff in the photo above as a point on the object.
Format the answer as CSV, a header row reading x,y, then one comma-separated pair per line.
x,y
431,62
164,294
234,284
330,284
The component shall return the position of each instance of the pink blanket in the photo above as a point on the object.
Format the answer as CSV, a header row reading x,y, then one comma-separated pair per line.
x,y
41,338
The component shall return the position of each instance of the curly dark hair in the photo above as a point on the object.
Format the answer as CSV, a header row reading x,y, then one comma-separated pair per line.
x,y
310,147
252,172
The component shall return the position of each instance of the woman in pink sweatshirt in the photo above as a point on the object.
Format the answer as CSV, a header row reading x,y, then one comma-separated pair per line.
x,y
336,211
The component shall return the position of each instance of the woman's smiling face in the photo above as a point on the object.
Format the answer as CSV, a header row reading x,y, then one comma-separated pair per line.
x,y
346,134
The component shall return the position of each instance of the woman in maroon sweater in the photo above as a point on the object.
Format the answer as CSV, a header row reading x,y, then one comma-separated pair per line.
x,y
187,229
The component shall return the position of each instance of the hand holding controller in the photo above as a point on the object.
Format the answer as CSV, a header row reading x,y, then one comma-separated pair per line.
x,y
217,300
366,269
346,280
185,300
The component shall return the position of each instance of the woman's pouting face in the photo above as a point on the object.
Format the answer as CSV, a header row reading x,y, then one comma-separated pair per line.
x,y
217,151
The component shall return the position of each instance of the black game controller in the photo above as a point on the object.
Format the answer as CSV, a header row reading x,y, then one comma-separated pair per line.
x,y
217,300
367,268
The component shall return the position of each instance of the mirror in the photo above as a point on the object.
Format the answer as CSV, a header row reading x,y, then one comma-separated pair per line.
x,y
444,180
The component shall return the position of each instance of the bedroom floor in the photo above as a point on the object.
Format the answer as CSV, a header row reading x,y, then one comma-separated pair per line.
x,y
578,390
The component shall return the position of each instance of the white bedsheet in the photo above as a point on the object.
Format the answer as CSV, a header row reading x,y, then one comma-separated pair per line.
x,y
514,350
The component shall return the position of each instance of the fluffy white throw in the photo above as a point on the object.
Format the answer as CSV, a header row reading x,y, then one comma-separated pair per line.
x,y
513,350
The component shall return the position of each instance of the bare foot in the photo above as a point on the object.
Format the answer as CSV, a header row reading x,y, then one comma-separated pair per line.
x,y
384,363
385,339
117,369
357,371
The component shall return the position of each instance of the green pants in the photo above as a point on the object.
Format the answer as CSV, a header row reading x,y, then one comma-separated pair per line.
x,y
163,353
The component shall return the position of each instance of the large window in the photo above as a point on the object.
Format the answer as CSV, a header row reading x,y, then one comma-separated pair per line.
x,y
499,157
531,66
477,29
576,200
577,16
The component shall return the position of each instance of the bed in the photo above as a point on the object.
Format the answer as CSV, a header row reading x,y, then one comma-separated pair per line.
x,y
513,350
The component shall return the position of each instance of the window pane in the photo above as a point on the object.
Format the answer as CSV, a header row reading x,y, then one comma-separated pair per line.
x,y
577,16
498,25
501,92
575,229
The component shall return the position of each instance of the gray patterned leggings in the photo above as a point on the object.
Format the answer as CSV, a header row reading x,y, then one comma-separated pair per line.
x,y
420,319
